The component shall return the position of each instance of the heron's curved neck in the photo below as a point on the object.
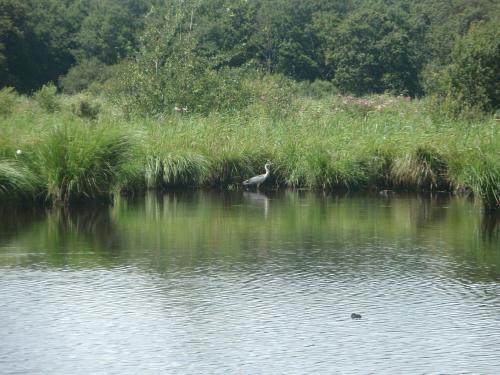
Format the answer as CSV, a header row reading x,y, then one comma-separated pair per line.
x,y
267,169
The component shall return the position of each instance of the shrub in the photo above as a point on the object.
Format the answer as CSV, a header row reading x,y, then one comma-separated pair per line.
x,y
447,107
472,80
84,75
192,86
47,98
86,108
168,71
273,93
317,89
375,51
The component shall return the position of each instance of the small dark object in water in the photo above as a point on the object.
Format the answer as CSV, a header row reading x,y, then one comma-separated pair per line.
x,y
355,316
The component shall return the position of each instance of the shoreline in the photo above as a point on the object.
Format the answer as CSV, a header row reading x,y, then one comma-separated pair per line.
x,y
388,143
266,191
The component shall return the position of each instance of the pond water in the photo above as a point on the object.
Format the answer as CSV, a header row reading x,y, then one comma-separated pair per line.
x,y
251,283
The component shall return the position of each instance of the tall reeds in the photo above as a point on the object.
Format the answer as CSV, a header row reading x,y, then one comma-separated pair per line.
x,y
331,143
62,159
78,162
16,181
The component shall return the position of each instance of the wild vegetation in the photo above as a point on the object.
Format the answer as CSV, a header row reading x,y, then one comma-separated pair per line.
x,y
121,96
337,142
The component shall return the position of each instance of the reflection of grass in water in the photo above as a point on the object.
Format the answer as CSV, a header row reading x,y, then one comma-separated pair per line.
x,y
82,237
191,230
231,230
78,237
17,220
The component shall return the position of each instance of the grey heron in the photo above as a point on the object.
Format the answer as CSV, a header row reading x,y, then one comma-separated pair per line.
x,y
257,180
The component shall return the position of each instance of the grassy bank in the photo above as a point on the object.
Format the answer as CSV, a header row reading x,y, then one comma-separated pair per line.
x,y
68,152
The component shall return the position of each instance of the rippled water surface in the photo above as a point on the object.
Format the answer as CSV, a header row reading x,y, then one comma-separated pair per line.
x,y
209,283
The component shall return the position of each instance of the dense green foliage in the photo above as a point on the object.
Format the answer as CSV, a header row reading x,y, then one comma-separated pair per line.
x,y
87,75
361,46
41,39
473,76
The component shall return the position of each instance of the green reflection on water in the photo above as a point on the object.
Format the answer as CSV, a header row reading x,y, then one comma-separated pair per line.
x,y
193,229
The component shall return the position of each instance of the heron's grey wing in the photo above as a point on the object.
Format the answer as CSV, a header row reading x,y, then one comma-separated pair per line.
x,y
254,180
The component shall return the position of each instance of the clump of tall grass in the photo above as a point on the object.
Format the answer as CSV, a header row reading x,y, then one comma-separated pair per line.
x,y
175,169
479,172
16,181
231,167
484,179
169,157
423,168
319,168
77,162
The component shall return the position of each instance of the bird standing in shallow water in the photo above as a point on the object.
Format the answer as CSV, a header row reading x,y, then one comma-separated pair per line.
x,y
257,180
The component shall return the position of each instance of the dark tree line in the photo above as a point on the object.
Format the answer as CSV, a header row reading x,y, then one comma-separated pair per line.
x,y
41,40
361,46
